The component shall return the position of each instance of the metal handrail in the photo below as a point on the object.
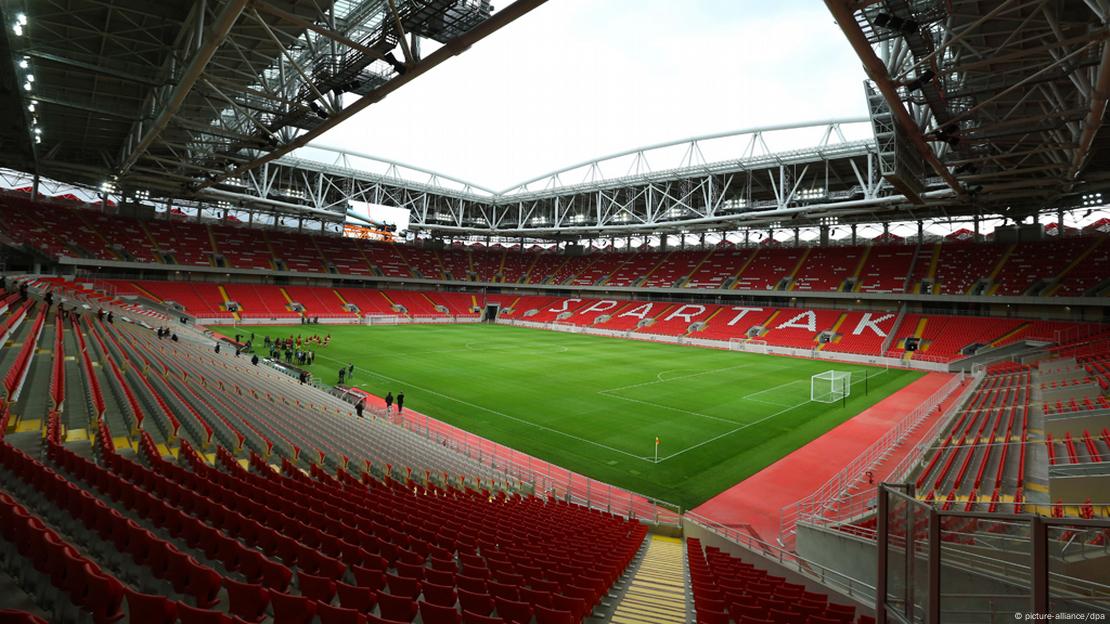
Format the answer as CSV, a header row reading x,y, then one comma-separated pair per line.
x,y
833,490
849,585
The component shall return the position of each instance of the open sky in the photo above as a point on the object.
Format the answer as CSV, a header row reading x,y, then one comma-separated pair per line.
x,y
577,79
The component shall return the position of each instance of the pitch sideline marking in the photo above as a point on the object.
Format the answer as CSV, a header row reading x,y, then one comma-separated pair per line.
x,y
507,416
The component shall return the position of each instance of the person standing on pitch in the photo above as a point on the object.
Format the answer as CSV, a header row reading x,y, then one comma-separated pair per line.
x,y
400,401
388,401
350,371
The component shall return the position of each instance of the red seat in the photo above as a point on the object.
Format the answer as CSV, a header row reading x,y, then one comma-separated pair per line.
x,y
578,606
368,577
192,615
149,608
747,619
514,611
276,576
535,598
439,577
316,587
361,599
398,608
403,585
780,616
247,601
471,584
410,570
708,616
545,615
105,595
839,611
338,615
438,614
503,590
469,617
477,603
292,609
442,595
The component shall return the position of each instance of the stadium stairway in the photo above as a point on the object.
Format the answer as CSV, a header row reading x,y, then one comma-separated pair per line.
x,y
656,593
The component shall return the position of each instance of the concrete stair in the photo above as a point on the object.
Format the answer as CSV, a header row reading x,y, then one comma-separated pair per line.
x,y
657,591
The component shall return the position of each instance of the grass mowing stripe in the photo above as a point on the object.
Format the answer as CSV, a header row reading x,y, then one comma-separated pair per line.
x,y
554,395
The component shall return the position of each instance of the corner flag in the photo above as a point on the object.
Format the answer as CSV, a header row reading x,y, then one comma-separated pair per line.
x,y
656,450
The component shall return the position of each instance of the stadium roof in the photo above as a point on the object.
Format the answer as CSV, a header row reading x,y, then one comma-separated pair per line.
x,y
174,96
976,107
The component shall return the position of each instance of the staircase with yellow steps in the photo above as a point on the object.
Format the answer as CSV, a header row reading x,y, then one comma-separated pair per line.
x,y
227,300
798,267
656,593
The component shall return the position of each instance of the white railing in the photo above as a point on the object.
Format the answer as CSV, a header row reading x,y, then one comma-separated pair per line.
x,y
834,498
829,577
545,477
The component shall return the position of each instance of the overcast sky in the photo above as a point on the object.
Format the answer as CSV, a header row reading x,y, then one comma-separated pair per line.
x,y
577,79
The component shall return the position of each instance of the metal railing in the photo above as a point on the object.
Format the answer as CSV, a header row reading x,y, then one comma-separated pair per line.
x,y
1009,567
833,502
544,477
829,577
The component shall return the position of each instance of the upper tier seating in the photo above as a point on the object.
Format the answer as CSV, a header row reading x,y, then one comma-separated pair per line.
x,y
887,269
827,268
769,266
1072,266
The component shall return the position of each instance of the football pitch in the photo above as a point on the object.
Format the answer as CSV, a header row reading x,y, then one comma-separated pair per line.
x,y
596,405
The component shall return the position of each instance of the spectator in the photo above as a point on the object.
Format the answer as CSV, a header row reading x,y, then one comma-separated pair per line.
x,y
254,359
111,317
173,337
388,401
217,347
361,405
23,292
400,401
49,298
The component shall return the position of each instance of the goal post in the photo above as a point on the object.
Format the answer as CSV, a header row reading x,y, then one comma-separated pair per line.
x,y
747,345
830,386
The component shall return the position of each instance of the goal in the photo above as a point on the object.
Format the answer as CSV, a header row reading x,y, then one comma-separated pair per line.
x,y
566,327
747,345
830,386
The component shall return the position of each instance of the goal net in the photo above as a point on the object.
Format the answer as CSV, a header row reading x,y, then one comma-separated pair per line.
x,y
830,386
747,345
566,327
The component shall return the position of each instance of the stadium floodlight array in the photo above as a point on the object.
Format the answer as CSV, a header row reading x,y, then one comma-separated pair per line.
x,y
830,386
747,345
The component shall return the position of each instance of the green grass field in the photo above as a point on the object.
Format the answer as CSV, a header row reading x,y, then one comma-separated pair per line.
x,y
595,405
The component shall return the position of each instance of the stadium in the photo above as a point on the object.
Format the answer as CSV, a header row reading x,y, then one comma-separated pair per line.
x,y
836,371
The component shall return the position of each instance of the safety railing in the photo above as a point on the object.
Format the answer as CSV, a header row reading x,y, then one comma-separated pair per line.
x,y
834,501
937,566
544,477
847,585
